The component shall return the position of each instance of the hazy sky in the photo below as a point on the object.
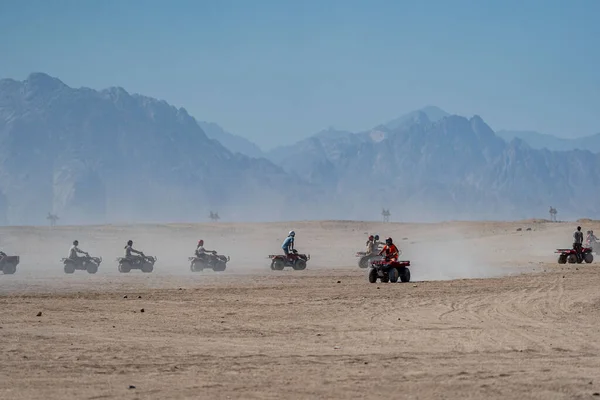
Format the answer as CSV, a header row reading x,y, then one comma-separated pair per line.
x,y
275,71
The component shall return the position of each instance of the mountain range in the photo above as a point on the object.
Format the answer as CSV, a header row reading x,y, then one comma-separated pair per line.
x,y
106,156
100,156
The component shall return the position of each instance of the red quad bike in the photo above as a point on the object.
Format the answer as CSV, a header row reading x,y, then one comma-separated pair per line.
x,y
570,256
389,271
296,261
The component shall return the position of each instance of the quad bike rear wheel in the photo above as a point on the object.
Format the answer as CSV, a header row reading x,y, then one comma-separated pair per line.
x,y
405,275
299,265
364,262
69,268
195,267
572,258
562,259
588,258
9,269
277,265
393,275
124,268
372,275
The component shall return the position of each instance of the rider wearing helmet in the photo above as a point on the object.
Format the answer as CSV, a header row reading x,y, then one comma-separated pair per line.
x,y
129,250
376,243
288,243
201,252
390,250
74,250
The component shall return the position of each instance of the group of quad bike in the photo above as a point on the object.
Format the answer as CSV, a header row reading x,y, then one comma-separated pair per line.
x,y
379,267
144,263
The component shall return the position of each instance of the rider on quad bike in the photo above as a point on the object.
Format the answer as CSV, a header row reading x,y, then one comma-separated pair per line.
x,y
591,238
578,242
288,244
129,250
74,250
371,245
201,252
390,250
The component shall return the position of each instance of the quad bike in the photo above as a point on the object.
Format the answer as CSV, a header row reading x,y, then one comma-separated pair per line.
x,y
570,256
8,264
87,263
143,262
295,260
389,271
217,263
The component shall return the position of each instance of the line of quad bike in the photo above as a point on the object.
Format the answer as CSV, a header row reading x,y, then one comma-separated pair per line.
x,y
378,267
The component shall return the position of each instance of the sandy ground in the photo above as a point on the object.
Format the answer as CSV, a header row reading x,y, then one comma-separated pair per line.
x,y
489,314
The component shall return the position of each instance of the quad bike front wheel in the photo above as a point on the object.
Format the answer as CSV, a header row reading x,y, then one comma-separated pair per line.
x,y
393,275
91,268
147,268
299,265
588,258
219,266
372,275
9,269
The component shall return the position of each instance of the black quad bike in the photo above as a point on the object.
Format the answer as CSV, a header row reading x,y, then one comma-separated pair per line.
x,y
87,263
217,263
143,262
8,264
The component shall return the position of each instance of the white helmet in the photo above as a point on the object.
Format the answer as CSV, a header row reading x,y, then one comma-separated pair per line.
x,y
292,234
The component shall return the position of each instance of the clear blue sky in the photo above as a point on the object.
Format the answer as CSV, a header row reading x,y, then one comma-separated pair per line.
x,y
279,70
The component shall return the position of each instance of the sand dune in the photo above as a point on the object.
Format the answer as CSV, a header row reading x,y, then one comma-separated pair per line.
x,y
490,314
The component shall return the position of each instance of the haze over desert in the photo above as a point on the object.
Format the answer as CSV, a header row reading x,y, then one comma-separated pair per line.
x,y
488,314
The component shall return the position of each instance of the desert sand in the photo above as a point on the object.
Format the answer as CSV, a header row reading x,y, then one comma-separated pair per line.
x,y
489,314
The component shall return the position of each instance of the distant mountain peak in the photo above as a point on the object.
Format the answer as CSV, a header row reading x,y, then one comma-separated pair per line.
x,y
427,114
44,82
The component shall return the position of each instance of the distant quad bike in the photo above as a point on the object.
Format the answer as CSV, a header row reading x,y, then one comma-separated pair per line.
x,y
365,259
87,263
570,256
296,261
143,262
217,263
8,264
389,271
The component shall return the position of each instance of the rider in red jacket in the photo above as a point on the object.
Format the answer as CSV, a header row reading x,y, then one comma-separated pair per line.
x,y
390,250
